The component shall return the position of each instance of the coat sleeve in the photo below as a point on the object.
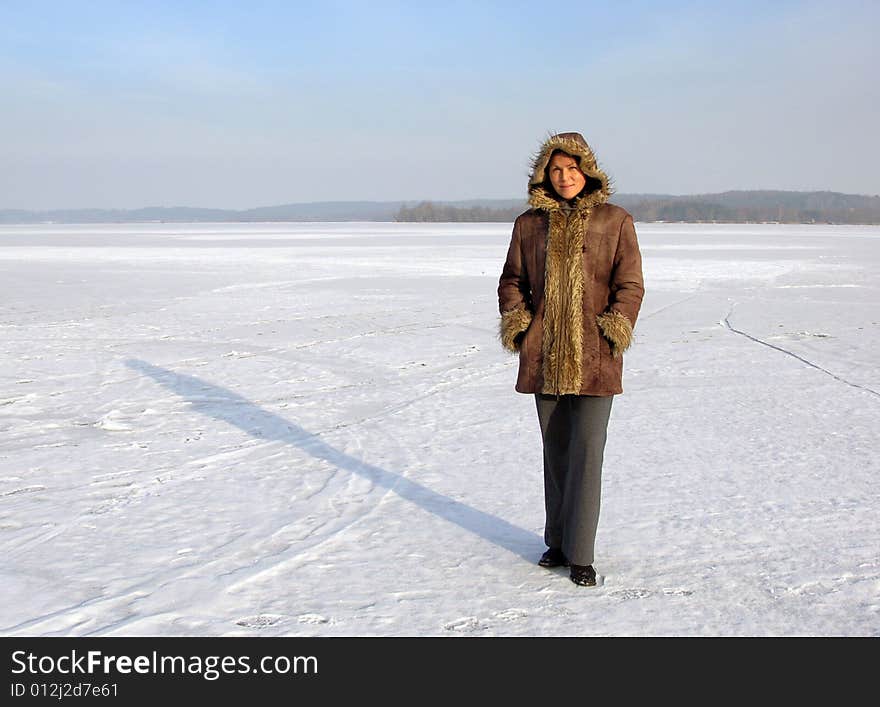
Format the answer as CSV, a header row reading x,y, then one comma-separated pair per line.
x,y
627,290
514,300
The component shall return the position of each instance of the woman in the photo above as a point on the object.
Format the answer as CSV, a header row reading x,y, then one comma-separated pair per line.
x,y
569,296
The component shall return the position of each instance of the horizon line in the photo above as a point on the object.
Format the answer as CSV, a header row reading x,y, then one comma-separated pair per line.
x,y
419,201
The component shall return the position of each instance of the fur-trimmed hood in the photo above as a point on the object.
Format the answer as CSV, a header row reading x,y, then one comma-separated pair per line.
x,y
542,195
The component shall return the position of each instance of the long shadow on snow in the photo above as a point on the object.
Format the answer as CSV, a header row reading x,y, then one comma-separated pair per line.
x,y
223,404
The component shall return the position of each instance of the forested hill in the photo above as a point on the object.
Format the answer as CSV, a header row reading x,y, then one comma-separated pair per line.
x,y
726,207
756,206
729,207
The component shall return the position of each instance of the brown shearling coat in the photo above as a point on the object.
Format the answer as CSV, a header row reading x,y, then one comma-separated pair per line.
x,y
572,286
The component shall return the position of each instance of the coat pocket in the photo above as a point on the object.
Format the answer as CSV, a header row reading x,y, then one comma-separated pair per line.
x,y
530,349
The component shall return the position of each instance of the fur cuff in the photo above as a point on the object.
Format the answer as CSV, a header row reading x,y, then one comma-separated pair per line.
x,y
513,323
617,329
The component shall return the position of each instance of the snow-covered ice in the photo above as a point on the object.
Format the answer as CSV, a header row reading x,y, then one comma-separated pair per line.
x,y
311,429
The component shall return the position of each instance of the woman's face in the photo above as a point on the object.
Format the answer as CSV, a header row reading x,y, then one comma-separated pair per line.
x,y
565,176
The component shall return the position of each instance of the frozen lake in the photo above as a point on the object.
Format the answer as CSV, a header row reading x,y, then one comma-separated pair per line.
x,y
311,429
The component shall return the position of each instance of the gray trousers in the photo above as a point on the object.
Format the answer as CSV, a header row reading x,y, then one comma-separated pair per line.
x,y
573,428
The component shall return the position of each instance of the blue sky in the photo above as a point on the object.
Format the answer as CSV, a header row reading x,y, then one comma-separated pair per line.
x,y
235,105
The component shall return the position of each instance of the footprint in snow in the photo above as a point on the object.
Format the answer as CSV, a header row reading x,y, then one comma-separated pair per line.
x,y
466,624
260,620
114,421
626,594
510,614
312,619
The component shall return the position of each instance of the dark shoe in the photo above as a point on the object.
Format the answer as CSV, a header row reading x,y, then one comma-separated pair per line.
x,y
554,557
583,575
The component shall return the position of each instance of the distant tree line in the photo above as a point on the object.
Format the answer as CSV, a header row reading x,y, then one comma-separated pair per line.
x,y
756,206
431,211
694,211
727,207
